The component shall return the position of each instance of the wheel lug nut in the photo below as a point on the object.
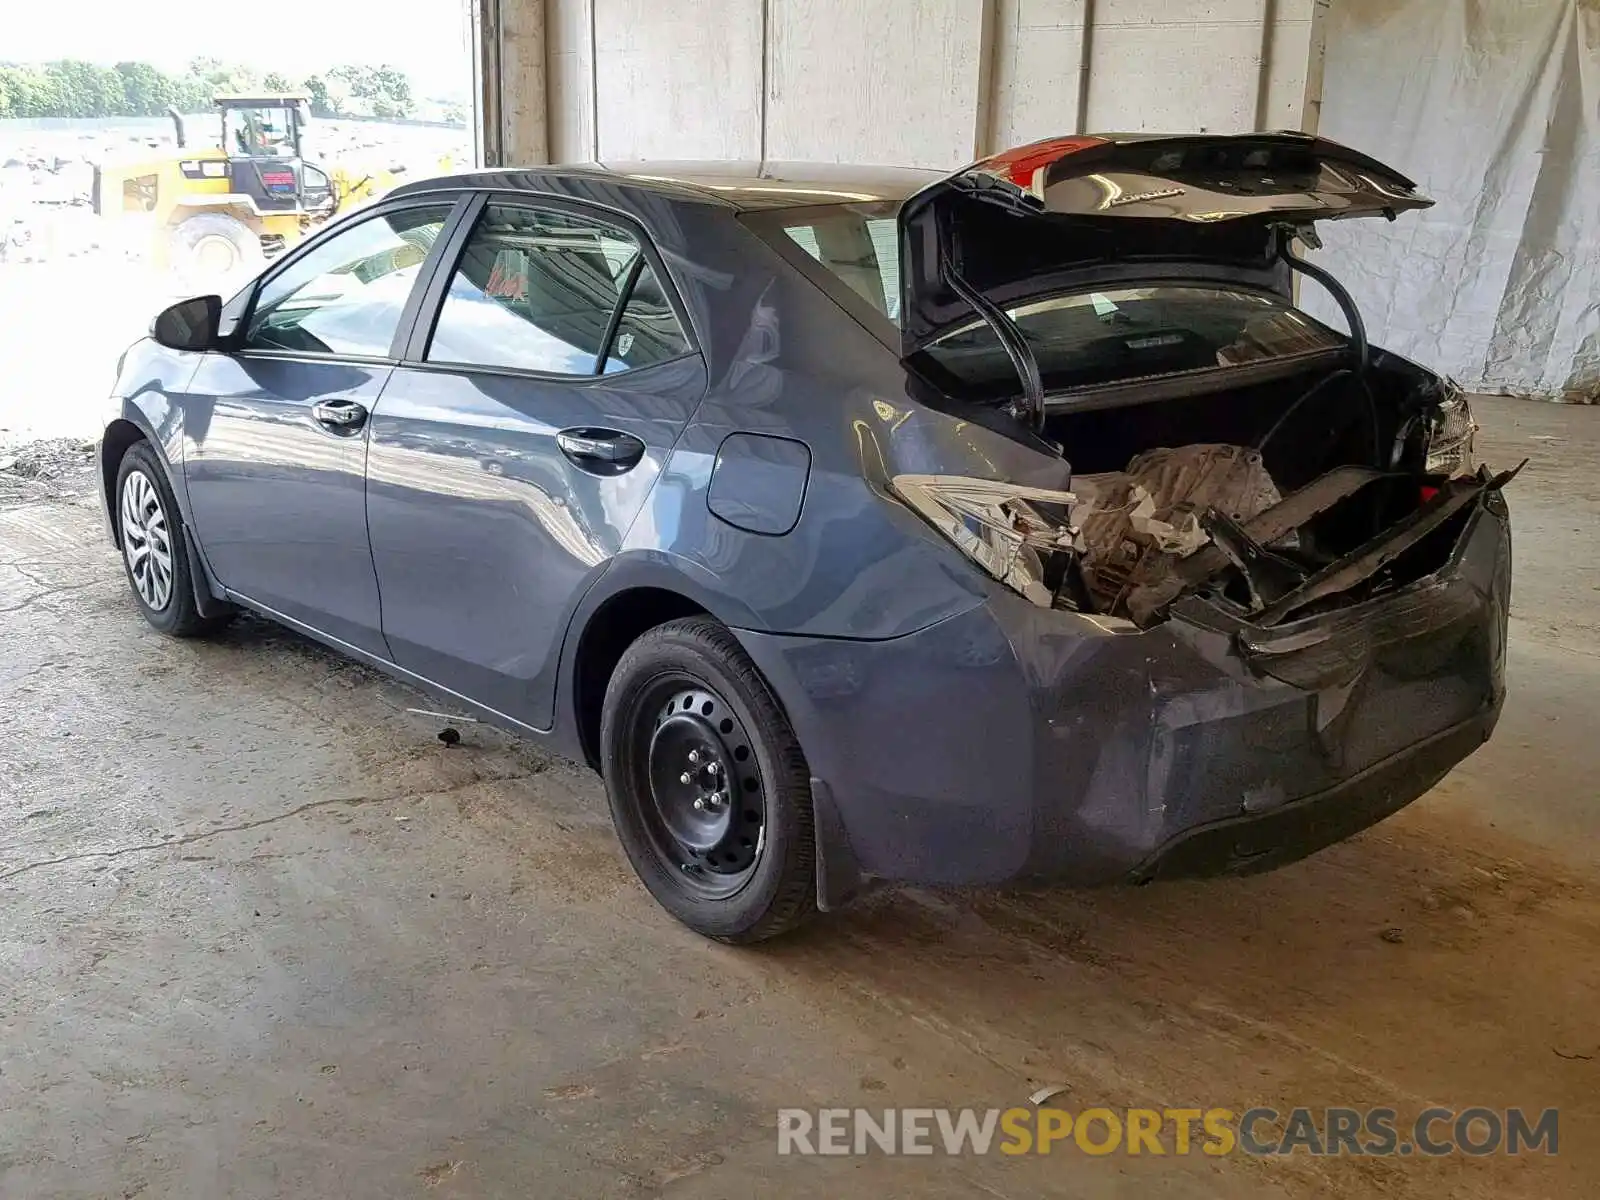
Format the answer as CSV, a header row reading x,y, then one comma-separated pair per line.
x,y
712,767
694,756
686,778
699,803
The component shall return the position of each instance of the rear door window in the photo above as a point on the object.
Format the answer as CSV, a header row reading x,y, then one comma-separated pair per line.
x,y
553,292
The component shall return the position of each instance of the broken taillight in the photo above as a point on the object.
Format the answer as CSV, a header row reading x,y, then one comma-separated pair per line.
x,y
1448,437
1020,535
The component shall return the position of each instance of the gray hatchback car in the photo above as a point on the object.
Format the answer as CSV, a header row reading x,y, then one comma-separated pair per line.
x,y
857,524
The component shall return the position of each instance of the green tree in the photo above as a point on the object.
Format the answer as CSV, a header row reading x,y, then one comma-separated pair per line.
x,y
72,88
79,90
212,75
350,90
192,93
321,103
146,91
33,93
391,93
207,69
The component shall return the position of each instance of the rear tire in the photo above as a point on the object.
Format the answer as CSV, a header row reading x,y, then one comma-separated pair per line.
x,y
154,545
741,865
211,250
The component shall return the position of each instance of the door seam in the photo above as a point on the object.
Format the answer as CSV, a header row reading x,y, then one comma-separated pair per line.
x,y
366,509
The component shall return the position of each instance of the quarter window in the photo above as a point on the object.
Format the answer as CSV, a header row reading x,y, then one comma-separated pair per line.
x,y
539,290
346,296
861,249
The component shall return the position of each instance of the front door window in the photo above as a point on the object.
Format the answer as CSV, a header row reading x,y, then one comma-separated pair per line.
x,y
346,296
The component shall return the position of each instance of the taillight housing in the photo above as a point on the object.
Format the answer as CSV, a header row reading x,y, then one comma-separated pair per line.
x,y
1019,535
1447,437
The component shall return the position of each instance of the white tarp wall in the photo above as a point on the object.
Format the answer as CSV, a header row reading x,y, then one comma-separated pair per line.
x,y
1491,106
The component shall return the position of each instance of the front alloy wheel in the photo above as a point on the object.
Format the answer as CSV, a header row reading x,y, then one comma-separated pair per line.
x,y
154,554
146,544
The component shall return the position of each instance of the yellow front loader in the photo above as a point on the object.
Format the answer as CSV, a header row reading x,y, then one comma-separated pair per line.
x,y
223,209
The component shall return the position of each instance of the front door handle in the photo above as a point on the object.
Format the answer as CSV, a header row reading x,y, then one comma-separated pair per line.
x,y
602,451
341,416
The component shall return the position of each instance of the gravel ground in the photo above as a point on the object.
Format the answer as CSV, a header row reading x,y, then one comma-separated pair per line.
x,y
50,469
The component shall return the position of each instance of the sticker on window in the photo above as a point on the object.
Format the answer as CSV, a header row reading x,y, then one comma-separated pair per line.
x,y
509,284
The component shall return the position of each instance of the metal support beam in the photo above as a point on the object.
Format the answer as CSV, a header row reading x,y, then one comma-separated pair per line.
x,y
483,17
509,82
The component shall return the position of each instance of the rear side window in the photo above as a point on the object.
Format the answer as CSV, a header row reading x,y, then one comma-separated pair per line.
x,y
346,296
541,290
861,248
648,330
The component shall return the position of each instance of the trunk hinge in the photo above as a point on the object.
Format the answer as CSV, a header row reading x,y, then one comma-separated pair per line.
x,y
1016,346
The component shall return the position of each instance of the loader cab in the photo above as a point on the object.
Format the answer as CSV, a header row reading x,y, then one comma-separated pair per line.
x,y
262,137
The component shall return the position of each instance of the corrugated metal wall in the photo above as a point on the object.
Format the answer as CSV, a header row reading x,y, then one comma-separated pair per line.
x,y
917,82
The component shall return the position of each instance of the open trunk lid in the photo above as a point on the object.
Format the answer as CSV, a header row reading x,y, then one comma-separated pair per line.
x,y
1103,209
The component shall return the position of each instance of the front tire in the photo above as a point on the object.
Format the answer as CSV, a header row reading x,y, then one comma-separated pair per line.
x,y
154,550
709,790
213,250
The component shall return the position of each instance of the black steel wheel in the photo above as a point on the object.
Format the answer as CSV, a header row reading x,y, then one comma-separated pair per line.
x,y
708,816
708,788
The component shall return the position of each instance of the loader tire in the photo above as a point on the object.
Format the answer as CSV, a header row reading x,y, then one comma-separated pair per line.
x,y
210,251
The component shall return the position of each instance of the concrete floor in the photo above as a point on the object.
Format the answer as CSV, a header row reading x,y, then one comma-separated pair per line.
x,y
262,935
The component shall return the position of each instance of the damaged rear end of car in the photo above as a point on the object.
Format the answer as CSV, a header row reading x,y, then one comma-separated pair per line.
x,y
1292,519
1251,576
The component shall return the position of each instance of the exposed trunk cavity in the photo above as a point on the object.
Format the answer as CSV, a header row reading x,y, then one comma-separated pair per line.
x,y
1271,502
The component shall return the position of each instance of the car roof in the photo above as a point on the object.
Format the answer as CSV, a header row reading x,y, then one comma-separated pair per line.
x,y
739,185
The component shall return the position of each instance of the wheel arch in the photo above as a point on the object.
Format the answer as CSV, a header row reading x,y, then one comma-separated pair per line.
x,y
635,592
182,213
614,625
120,435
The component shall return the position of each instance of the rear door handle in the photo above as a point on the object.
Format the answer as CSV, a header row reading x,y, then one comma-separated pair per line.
x,y
341,416
604,451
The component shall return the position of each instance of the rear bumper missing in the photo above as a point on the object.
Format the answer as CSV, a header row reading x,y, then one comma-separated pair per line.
x,y
1019,744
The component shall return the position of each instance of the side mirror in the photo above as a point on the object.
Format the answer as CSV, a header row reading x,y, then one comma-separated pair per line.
x,y
189,324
